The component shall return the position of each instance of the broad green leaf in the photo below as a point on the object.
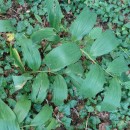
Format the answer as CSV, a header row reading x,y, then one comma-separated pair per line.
x,y
95,32
22,108
20,81
75,78
118,66
76,68
104,44
52,124
76,82
83,24
39,88
6,26
30,53
17,58
8,120
60,91
43,116
93,83
44,34
64,55
54,13
112,96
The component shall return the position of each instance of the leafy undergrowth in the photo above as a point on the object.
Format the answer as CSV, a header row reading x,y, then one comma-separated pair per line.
x,y
64,69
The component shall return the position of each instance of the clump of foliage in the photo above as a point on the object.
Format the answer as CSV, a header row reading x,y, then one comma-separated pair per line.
x,y
115,14
50,70
4,6
112,14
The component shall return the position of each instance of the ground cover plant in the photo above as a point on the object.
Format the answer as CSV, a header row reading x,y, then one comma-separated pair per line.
x,y
59,73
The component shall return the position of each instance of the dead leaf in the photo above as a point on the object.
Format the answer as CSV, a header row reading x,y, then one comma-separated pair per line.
x,y
10,37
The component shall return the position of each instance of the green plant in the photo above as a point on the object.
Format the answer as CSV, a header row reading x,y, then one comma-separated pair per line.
x,y
57,68
113,14
4,6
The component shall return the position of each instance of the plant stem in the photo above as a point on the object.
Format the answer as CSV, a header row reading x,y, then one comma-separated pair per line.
x,y
27,126
124,51
46,71
87,122
88,56
108,73
95,62
68,1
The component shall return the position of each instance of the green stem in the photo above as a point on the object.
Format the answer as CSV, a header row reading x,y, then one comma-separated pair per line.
x,y
108,73
124,51
88,56
46,71
95,62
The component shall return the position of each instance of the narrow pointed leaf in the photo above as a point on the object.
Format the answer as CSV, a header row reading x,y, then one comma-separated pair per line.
x,y
93,83
44,34
104,44
22,108
30,53
38,18
60,91
6,26
20,81
112,96
118,66
43,116
17,59
8,120
39,88
54,13
83,24
62,56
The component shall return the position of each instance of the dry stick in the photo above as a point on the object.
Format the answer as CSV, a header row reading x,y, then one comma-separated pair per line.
x,y
68,1
58,119
3,16
47,101
76,112
87,121
15,11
